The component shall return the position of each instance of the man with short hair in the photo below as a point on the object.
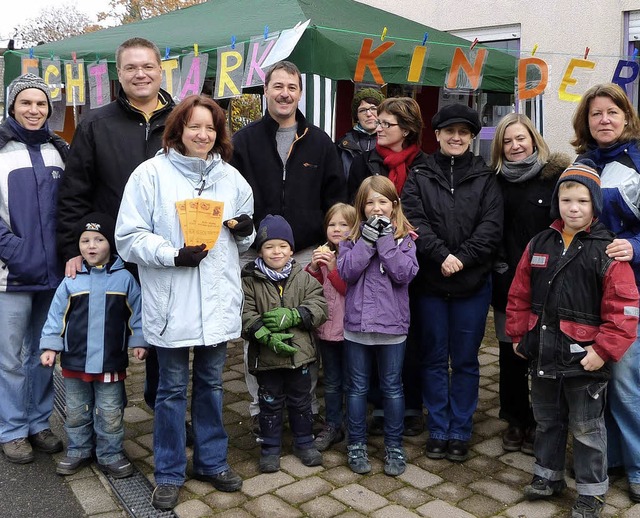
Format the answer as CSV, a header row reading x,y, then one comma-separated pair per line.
x,y
294,170
109,143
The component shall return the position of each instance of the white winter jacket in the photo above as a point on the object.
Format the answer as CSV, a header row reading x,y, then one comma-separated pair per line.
x,y
182,306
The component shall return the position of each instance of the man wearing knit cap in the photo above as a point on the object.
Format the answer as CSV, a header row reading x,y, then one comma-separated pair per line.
x,y
571,311
32,163
362,137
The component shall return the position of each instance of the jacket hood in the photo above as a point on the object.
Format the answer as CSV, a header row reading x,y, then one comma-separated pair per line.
x,y
554,167
194,168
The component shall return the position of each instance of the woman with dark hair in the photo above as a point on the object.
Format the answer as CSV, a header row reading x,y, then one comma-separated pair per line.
x,y
191,296
607,131
527,174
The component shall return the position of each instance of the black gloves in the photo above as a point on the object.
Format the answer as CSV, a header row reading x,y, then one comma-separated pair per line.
x,y
191,255
241,226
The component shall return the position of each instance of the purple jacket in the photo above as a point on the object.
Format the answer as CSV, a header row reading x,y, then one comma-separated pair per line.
x,y
378,278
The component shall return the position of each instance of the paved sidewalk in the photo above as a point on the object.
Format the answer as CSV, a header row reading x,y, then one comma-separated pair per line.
x,y
488,484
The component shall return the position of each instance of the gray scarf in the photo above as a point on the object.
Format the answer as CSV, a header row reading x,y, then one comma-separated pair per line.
x,y
523,170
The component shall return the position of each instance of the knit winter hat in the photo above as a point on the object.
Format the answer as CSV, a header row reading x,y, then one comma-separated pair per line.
x,y
274,227
583,172
24,82
452,113
101,223
366,94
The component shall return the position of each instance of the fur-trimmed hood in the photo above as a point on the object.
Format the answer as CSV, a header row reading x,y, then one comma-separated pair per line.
x,y
554,167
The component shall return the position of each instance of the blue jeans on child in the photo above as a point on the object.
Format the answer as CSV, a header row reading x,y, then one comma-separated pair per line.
x,y
95,408
26,387
573,404
334,367
451,331
277,388
623,413
210,439
389,359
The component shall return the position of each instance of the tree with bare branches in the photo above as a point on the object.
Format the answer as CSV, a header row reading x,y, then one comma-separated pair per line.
x,y
127,11
54,23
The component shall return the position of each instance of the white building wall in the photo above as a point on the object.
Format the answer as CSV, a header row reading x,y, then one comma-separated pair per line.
x,y
561,29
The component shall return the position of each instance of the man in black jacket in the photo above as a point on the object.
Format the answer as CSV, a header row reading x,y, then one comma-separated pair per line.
x,y
109,143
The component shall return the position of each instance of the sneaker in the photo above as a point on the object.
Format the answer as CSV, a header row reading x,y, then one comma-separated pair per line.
x,y
358,459
328,436
46,441
121,468
227,481
527,443
308,456
269,463
587,506
541,488
71,465
413,425
18,451
376,425
512,438
394,461
165,496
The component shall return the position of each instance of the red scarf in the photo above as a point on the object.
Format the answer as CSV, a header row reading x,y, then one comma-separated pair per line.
x,y
397,163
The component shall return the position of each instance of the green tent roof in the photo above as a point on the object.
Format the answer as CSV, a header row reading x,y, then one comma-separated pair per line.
x,y
329,47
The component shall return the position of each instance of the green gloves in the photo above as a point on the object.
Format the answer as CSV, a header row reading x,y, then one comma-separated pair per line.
x,y
281,318
275,341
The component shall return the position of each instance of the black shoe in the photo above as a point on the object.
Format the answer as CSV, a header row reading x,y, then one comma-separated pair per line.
x,y
458,451
413,425
269,463
309,456
119,469
71,465
376,425
227,481
436,448
587,506
512,438
542,488
165,496
527,443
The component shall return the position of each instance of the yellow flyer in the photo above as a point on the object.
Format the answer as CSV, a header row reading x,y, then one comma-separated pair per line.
x,y
200,220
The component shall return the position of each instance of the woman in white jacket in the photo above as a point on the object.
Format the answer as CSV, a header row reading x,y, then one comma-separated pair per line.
x,y
191,296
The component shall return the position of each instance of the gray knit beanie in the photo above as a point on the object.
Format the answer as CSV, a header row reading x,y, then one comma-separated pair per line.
x,y
24,82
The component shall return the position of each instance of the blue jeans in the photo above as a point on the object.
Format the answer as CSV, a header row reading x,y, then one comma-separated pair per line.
x,y
95,407
389,359
623,413
334,367
26,387
451,331
575,404
209,436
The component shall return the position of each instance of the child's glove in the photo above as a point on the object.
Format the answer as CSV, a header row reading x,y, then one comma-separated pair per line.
x,y
370,232
190,255
241,226
384,226
274,341
281,318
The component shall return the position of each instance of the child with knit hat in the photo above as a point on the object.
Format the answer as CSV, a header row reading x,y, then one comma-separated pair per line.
x,y
283,304
571,311
92,320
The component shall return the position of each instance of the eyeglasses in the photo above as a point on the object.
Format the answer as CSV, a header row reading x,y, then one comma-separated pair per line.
x,y
130,70
385,124
370,109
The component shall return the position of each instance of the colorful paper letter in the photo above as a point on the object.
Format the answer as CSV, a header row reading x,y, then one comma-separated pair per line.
x,y
367,59
568,80
230,71
533,76
74,82
472,77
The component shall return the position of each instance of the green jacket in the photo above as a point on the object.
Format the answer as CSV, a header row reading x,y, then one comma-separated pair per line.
x,y
300,291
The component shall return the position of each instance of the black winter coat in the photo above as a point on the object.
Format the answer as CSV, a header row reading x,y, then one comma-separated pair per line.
x,y
527,208
464,219
109,143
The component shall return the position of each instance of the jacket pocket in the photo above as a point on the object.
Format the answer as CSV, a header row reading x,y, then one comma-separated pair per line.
x,y
529,343
575,337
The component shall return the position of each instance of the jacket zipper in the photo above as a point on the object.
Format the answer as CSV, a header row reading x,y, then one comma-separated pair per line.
x,y
284,167
451,174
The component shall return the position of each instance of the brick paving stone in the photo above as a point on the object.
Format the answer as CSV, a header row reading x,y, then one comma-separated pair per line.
x,y
265,483
393,511
269,505
485,394
409,497
489,370
93,496
486,359
359,498
198,487
483,464
450,492
481,506
234,513
193,509
440,509
332,457
489,427
241,408
235,385
497,490
538,509
221,500
431,465
491,447
351,514
323,507
633,512
134,451
304,490
519,461
146,441
292,464
340,475
136,414
513,477
381,483
494,387
112,514
419,478
459,474
230,374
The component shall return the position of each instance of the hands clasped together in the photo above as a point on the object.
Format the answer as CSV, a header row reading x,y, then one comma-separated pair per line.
x,y
270,334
